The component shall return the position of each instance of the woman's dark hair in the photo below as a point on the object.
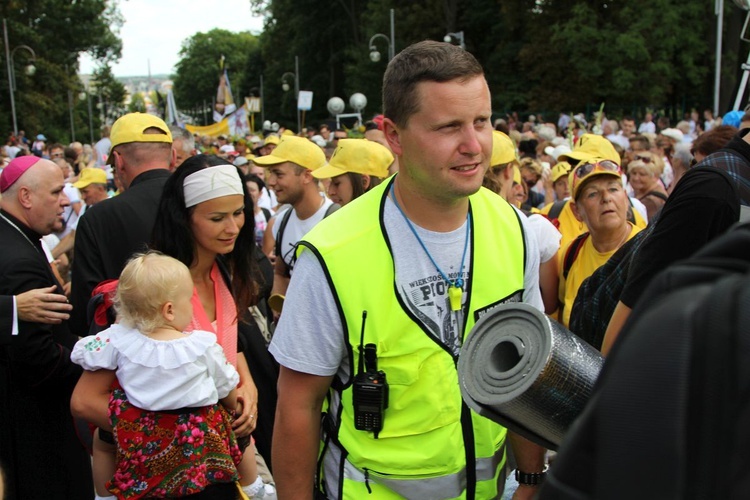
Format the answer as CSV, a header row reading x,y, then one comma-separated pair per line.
x,y
357,188
254,178
173,236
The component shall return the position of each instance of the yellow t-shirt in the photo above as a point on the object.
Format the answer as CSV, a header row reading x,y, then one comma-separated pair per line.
x,y
588,261
569,227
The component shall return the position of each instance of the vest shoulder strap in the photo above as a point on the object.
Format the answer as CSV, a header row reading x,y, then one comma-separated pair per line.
x,y
572,253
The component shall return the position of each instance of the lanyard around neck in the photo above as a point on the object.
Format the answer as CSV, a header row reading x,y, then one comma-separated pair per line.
x,y
456,287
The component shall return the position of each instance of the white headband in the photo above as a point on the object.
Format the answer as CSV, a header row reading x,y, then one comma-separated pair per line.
x,y
210,183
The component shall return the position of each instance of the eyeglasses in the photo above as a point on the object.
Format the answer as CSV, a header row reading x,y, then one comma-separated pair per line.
x,y
601,166
56,155
644,159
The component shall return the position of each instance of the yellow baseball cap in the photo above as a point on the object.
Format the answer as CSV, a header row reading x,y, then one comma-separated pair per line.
x,y
359,156
503,149
517,175
593,167
91,175
132,127
560,170
591,146
299,150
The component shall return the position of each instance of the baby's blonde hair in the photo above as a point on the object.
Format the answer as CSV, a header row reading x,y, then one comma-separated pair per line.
x,y
148,281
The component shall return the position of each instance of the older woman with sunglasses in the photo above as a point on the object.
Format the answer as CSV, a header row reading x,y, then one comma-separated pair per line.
x,y
600,201
643,176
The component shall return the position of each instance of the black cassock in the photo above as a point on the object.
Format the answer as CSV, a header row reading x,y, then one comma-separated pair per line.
x,y
40,453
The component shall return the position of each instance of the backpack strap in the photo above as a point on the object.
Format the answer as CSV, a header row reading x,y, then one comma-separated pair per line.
x,y
266,213
572,253
631,211
285,220
657,194
280,233
332,208
556,209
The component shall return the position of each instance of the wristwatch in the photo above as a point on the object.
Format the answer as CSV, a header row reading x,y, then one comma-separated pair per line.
x,y
531,478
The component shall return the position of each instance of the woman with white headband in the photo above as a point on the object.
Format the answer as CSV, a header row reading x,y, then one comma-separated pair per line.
x,y
202,223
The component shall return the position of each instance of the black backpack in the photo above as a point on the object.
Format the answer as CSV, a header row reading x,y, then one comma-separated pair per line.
x,y
668,416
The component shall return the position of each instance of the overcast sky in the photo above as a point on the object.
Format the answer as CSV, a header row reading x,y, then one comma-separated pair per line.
x,y
155,31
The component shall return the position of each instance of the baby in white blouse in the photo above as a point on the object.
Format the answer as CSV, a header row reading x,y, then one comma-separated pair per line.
x,y
160,367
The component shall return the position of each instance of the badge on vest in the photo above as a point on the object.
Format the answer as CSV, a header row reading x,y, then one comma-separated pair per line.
x,y
514,297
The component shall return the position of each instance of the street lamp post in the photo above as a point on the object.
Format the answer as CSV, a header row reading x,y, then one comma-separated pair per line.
x,y
11,73
285,87
374,54
458,35
87,95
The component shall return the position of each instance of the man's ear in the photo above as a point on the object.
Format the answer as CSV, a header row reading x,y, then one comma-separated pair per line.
x,y
392,135
24,197
365,181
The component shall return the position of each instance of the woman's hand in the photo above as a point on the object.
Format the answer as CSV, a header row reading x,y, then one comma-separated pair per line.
x,y
247,400
247,410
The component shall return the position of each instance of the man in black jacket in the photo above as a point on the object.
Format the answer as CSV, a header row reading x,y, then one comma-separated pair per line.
x,y
39,449
112,230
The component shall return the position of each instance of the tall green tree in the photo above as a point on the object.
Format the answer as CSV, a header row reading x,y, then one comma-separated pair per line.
x,y
198,70
539,55
58,31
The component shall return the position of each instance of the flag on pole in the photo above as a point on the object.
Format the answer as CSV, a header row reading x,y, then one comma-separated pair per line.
x,y
171,116
224,101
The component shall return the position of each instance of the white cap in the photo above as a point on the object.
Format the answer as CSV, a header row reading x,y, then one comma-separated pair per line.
x,y
557,150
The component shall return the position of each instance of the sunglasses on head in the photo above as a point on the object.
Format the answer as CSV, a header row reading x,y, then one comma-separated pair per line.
x,y
644,159
601,165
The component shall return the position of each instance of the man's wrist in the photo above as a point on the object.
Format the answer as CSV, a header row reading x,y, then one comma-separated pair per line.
x,y
530,478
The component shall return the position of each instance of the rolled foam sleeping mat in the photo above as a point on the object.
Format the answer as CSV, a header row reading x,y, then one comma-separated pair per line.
x,y
527,372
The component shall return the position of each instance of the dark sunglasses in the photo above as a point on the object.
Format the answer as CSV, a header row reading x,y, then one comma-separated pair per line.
x,y
644,159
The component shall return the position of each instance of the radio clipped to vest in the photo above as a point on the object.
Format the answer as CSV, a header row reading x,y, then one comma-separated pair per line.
x,y
370,388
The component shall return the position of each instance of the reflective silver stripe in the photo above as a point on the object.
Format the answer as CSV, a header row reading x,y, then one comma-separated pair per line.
x,y
439,487
487,467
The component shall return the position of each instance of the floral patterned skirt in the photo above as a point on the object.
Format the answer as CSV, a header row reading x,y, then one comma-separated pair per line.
x,y
170,454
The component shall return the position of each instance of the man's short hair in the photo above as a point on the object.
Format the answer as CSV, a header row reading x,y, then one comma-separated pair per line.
x,y
179,133
426,61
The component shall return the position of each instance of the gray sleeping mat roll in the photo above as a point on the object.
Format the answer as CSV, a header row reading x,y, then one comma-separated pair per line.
x,y
527,372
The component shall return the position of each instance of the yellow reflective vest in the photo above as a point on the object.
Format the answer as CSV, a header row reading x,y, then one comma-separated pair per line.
x,y
431,445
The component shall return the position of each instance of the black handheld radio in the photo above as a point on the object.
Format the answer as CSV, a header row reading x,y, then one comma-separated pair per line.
x,y
370,388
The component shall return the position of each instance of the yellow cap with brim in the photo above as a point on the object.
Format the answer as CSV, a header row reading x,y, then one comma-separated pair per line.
x,y
299,150
560,170
592,146
503,149
89,176
575,183
132,128
517,175
358,156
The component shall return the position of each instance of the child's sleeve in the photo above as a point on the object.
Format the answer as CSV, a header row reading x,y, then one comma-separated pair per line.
x,y
95,353
224,374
